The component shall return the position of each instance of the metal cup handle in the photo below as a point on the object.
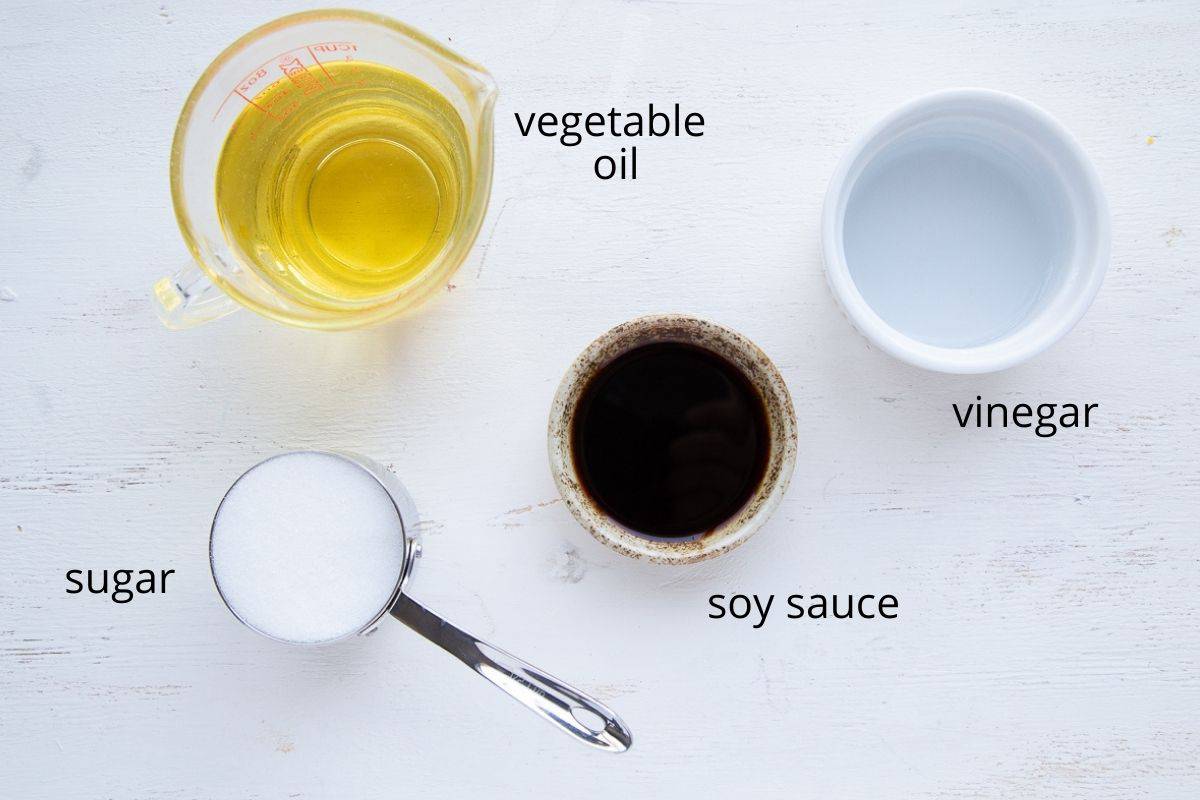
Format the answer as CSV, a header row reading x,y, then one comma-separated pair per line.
x,y
565,707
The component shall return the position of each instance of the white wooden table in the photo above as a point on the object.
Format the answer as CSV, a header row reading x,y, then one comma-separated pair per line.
x,y
1047,644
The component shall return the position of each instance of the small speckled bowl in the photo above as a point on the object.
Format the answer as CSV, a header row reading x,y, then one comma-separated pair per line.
x,y
738,350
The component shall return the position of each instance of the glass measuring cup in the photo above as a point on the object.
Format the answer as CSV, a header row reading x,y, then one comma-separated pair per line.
x,y
292,54
312,547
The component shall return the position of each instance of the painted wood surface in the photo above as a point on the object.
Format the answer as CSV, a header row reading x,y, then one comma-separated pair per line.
x,y
1047,644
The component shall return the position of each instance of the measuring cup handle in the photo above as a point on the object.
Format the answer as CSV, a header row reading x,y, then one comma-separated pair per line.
x,y
548,697
188,298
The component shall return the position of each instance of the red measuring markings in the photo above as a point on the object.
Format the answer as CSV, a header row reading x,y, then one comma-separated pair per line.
x,y
335,47
300,77
257,81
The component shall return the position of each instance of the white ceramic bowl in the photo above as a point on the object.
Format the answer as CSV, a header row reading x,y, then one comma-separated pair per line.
x,y
965,232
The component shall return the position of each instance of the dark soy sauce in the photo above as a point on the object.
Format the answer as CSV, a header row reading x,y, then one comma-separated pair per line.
x,y
670,440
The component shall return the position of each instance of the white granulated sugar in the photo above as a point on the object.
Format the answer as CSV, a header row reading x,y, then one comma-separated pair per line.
x,y
307,547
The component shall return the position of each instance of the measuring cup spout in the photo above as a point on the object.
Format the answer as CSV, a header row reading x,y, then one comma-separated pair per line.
x,y
485,92
190,298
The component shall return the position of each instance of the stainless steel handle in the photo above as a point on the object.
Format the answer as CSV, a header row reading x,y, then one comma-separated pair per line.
x,y
545,695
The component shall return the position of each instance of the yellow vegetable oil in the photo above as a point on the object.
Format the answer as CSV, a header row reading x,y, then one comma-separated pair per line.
x,y
341,185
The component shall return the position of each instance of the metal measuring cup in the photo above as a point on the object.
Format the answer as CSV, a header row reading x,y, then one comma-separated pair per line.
x,y
567,708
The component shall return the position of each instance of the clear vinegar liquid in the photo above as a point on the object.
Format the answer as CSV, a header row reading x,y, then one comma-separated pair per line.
x,y
954,241
341,189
